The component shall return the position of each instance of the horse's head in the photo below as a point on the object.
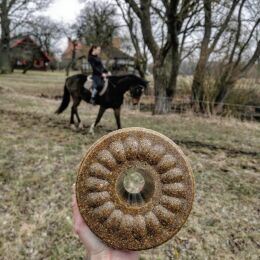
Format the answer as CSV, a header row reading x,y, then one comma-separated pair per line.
x,y
136,90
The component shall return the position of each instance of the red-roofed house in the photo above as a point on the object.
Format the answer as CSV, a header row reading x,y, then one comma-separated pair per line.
x,y
25,50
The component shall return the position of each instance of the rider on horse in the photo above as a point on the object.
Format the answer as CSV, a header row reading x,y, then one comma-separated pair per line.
x,y
99,72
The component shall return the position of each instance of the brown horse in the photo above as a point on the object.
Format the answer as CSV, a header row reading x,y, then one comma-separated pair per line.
x,y
112,98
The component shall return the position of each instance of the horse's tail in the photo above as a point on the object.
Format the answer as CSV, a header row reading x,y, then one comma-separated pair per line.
x,y
65,101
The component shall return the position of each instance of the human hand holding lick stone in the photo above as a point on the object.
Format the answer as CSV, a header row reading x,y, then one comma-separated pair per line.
x,y
145,215
96,249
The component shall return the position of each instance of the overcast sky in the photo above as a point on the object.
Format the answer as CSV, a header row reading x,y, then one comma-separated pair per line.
x,y
64,10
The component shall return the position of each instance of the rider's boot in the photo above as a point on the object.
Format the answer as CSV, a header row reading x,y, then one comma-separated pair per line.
x,y
93,96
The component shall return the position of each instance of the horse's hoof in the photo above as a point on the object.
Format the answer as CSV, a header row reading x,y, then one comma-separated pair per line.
x,y
91,129
73,127
81,126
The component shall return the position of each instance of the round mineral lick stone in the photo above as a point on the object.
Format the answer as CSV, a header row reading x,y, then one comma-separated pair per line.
x,y
135,188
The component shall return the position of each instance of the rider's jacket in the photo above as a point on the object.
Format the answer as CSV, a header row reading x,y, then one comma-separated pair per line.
x,y
97,65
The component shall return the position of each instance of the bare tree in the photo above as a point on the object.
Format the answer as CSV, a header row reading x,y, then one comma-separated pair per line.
x,y
13,13
45,32
210,41
141,52
162,23
243,51
223,43
97,23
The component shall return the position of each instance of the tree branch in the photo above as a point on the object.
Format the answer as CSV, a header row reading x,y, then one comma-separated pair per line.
x,y
145,18
135,7
253,59
246,43
224,25
239,22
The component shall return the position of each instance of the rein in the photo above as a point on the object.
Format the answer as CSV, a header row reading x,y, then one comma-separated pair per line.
x,y
114,85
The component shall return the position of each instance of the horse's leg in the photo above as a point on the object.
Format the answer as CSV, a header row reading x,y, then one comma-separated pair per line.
x,y
99,116
81,126
72,123
74,110
77,115
117,116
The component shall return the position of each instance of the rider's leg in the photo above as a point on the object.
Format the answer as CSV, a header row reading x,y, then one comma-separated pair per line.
x,y
94,93
94,89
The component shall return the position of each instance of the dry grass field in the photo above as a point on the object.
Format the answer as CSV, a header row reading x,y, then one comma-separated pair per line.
x,y
40,154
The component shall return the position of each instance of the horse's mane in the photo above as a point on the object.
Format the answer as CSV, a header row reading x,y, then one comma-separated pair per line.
x,y
118,78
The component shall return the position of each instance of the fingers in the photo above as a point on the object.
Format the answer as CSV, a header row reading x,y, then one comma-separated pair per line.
x,y
79,224
74,201
92,243
89,239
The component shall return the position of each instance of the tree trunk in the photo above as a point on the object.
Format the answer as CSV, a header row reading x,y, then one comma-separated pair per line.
x,y
258,71
161,81
28,67
141,66
5,63
199,75
223,86
198,82
5,59
165,73
174,61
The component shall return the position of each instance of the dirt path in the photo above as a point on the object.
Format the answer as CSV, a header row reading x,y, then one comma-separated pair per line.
x,y
27,119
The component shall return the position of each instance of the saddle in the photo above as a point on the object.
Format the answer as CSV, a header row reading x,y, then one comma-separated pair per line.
x,y
89,82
